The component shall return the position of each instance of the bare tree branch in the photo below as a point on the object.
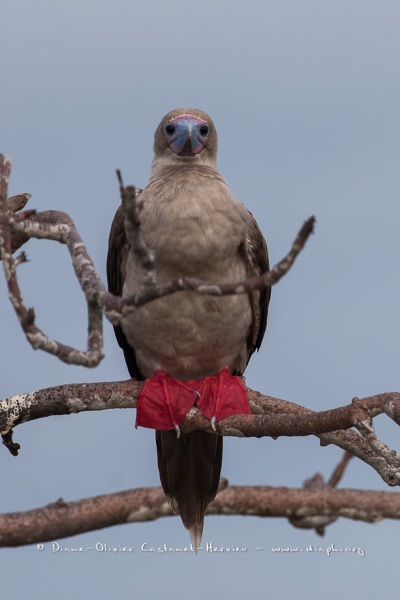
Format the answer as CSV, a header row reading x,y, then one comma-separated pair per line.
x,y
340,469
62,519
16,229
270,417
15,205
132,206
348,427
319,522
49,225
18,202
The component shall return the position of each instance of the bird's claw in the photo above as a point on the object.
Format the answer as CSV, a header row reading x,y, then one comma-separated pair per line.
x,y
213,421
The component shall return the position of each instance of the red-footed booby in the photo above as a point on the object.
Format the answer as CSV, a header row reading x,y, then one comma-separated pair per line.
x,y
187,346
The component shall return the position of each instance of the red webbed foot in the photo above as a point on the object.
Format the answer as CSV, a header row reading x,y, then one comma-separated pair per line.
x,y
164,402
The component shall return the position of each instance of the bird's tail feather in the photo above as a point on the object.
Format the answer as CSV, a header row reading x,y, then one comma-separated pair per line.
x,y
190,467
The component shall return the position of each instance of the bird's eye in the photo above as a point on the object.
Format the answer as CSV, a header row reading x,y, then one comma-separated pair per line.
x,y
169,128
204,129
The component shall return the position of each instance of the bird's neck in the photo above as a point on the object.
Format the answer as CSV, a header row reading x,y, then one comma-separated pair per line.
x,y
162,163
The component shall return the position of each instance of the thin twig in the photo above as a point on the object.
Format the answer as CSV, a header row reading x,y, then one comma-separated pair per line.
x,y
320,522
340,469
244,286
130,197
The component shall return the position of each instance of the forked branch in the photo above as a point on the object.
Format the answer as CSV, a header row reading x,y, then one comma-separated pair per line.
x,y
17,228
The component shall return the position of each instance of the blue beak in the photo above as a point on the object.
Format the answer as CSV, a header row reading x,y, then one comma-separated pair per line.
x,y
184,137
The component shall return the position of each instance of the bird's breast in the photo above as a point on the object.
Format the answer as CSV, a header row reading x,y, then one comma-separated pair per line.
x,y
190,219
195,228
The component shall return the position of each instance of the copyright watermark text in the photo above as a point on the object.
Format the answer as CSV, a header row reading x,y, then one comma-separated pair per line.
x,y
208,548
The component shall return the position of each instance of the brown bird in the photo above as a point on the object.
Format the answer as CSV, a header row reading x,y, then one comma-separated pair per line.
x,y
195,227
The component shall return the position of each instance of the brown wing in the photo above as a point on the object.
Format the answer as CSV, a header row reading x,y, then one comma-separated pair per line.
x,y
118,248
255,255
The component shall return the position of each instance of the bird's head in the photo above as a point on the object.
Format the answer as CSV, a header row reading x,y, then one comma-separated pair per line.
x,y
186,134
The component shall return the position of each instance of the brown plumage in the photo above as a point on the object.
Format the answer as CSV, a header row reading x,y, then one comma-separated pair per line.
x,y
195,227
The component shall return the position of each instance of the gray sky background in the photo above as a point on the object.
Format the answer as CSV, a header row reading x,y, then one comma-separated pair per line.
x,y
305,97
